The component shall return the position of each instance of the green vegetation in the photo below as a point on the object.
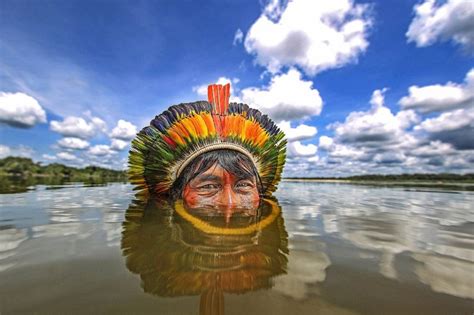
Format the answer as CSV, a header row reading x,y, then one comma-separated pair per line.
x,y
441,181
20,174
446,177
25,167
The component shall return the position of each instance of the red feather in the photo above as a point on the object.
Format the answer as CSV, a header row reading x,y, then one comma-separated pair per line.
x,y
218,95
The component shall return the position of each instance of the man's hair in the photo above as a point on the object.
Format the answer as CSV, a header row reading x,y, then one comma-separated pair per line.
x,y
233,162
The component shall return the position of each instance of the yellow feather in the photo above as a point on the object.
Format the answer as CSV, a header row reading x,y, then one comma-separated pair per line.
x,y
262,138
200,125
189,127
209,123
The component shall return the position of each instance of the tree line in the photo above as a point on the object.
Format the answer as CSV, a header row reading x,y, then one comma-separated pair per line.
x,y
429,177
25,167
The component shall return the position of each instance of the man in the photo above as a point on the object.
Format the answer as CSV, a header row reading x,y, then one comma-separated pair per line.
x,y
222,178
209,154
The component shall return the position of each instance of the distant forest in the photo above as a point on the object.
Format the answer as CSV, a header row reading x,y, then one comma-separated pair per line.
x,y
25,167
426,177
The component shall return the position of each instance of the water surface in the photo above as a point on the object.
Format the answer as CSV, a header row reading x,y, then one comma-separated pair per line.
x,y
325,248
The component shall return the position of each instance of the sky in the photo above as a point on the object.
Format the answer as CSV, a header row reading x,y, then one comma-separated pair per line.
x,y
358,87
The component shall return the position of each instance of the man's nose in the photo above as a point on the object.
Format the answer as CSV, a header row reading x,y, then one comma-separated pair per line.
x,y
228,201
228,198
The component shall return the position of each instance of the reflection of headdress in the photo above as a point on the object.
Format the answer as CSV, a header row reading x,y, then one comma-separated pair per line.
x,y
174,138
174,257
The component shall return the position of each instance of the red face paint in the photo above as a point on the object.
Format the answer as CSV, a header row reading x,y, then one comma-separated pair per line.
x,y
218,188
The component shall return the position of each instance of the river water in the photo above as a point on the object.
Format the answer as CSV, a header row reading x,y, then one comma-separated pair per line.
x,y
318,248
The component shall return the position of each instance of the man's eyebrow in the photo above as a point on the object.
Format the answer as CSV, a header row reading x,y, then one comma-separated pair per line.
x,y
209,177
247,177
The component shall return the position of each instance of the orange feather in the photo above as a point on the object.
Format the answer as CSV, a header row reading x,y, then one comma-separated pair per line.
x,y
209,123
199,125
176,138
210,94
181,130
189,127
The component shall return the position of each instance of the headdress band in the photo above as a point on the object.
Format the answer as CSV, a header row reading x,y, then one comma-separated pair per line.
x,y
212,147
162,150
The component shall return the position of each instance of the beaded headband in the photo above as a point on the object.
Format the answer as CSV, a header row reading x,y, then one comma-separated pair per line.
x,y
162,150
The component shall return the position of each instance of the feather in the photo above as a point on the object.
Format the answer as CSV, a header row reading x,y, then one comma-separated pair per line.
x,y
189,127
175,136
182,129
200,126
209,123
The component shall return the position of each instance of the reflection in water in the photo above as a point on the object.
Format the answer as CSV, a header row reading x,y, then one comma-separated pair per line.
x,y
342,249
444,265
435,229
177,252
305,268
445,274
21,184
10,239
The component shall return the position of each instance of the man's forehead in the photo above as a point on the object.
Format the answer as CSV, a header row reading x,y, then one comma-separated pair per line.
x,y
216,172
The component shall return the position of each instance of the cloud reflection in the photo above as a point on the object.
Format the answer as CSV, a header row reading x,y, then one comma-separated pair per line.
x,y
435,228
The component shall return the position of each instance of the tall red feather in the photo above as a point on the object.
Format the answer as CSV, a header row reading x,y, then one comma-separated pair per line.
x,y
218,95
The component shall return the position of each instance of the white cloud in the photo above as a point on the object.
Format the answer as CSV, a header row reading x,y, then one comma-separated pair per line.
x,y
325,142
4,151
389,158
434,20
344,151
118,145
376,125
49,157
463,162
20,150
296,148
314,35
73,143
238,37
100,125
66,156
454,127
101,150
301,132
434,148
288,97
78,127
20,110
60,86
441,97
378,98
379,141
124,130
453,120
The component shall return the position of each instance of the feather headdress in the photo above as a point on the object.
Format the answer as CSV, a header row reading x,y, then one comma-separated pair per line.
x,y
174,138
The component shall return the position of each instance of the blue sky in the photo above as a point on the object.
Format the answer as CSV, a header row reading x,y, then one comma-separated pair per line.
x,y
359,87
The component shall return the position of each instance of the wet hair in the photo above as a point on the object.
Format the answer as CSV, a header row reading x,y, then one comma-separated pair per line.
x,y
232,161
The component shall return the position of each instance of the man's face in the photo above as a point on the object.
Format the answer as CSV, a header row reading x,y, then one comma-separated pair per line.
x,y
218,188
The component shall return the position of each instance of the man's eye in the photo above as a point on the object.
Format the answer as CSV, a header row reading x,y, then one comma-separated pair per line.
x,y
209,186
244,185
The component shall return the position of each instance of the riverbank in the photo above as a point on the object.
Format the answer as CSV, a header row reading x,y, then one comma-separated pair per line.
x,y
424,184
20,174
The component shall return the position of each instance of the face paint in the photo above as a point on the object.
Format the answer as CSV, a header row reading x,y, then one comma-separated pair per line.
x,y
217,188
